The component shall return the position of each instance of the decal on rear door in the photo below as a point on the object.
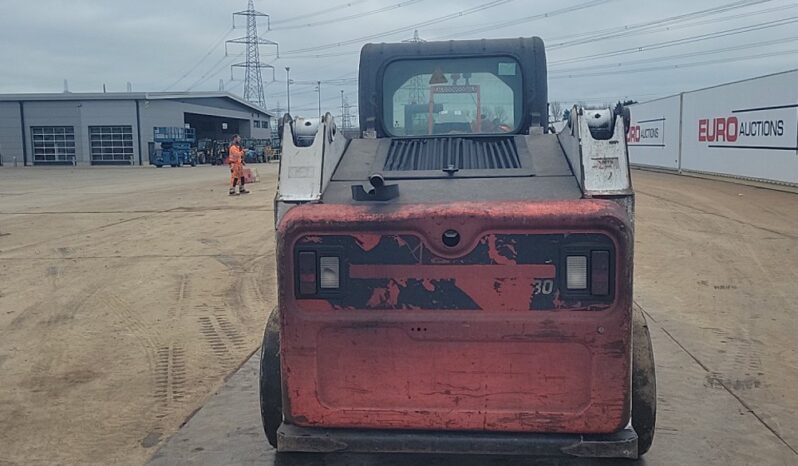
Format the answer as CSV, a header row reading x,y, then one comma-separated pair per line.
x,y
504,272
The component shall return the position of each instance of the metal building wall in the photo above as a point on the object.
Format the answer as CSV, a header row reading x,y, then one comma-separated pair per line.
x,y
141,115
240,113
155,113
10,134
80,115
54,113
261,133
105,113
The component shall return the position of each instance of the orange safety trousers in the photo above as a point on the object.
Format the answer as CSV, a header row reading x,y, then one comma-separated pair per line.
x,y
236,161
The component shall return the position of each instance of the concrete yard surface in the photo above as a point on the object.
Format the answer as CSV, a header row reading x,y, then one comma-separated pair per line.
x,y
715,275
127,296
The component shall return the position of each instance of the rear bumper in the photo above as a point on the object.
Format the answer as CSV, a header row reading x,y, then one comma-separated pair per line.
x,y
292,438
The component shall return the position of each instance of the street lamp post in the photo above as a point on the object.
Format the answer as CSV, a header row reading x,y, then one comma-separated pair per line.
x,y
288,87
318,88
343,122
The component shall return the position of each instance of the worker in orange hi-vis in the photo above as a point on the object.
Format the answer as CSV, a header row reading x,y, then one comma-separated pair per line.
x,y
236,160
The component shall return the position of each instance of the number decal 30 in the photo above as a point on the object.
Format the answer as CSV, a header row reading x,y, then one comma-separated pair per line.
x,y
544,286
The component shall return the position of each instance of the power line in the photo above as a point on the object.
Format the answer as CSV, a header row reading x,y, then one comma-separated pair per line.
x,y
225,84
592,36
435,21
679,66
607,98
527,19
204,57
340,19
305,92
358,40
616,66
336,97
323,55
321,12
215,70
682,41
329,81
659,25
341,80
571,36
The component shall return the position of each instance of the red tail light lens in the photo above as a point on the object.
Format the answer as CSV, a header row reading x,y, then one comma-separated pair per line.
x,y
307,272
600,273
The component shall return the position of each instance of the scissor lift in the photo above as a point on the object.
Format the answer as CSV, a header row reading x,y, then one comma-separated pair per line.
x,y
176,147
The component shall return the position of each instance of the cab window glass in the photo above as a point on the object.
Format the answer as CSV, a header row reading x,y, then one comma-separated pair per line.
x,y
452,96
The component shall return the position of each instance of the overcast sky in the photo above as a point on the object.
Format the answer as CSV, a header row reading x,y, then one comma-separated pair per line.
x,y
157,44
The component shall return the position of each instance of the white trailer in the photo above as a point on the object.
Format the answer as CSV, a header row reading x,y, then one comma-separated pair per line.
x,y
746,129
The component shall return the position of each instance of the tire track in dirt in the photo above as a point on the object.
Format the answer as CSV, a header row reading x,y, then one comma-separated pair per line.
x,y
146,335
215,339
233,334
221,324
170,379
171,364
182,294
166,359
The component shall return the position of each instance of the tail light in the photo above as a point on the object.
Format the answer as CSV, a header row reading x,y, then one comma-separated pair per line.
x,y
329,272
318,273
576,272
600,273
581,271
588,273
306,271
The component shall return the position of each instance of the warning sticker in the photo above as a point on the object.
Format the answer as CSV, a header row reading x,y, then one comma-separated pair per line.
x,y
506,69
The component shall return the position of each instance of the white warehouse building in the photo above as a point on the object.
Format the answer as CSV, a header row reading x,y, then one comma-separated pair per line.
x,y
116,128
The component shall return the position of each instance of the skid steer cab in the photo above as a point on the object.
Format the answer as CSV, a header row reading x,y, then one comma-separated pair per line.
x,y
457,280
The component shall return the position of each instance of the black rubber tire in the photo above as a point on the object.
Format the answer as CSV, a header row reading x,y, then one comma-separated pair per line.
x,y
644,383
271,388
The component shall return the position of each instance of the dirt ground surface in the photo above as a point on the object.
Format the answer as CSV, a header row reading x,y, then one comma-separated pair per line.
x,y
716,276
127,295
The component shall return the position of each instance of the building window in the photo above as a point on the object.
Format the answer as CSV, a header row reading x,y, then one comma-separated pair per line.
x,y
53,144
257,123
265,124
111,144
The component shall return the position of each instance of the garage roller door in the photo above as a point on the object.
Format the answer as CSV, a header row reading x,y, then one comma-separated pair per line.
x,y
111,145
53,144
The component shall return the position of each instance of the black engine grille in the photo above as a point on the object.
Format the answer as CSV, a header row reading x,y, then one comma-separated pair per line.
x,y
453,152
